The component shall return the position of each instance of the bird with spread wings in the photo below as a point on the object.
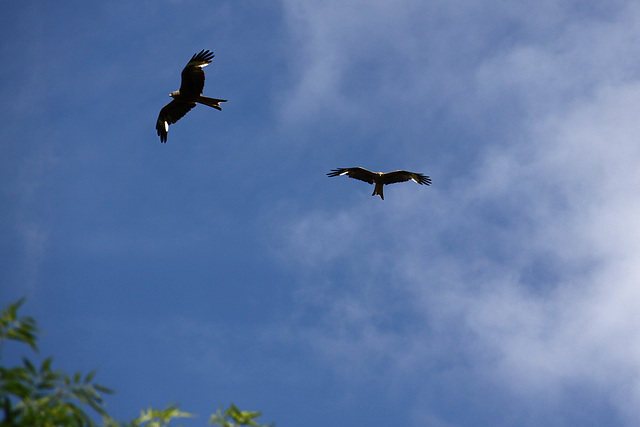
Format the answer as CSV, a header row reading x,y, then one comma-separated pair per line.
x,y
188,95
380,178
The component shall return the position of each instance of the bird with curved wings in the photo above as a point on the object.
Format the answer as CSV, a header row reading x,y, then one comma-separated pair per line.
x,y
380,178
188,95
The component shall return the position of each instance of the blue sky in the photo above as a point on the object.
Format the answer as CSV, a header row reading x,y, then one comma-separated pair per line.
x,y
225,266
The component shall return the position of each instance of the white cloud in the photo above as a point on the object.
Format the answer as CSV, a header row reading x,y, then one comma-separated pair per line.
x,y
529,261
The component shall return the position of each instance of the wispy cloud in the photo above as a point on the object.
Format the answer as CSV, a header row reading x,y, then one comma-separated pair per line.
x,y
530,259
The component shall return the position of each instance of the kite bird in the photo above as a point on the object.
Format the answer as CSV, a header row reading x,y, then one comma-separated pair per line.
x,y
380,178
190,92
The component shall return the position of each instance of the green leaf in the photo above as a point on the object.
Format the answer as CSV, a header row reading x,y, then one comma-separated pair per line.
x,y
103,389
46,365
89,377
19,329
234,417
30,366
160,417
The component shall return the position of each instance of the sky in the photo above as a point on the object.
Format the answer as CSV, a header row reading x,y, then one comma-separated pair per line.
x,y
225,266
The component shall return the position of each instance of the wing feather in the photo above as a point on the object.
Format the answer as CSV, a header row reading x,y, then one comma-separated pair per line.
x,y
193,74
357,173
171,113
402,176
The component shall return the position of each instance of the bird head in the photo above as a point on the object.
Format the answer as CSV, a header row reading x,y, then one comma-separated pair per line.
x,y
174,94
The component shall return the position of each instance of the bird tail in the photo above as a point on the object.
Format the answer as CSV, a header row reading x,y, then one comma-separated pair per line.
x,y
378,191
211,102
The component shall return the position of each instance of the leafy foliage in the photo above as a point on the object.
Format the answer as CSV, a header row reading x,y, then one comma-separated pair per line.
x,y
19,329
234,417
32,395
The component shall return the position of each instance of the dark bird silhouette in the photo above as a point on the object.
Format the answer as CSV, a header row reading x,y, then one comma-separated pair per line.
x,y
190,92
380,178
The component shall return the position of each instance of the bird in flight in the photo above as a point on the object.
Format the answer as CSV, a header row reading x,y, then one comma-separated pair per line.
x,y
189,93
380,178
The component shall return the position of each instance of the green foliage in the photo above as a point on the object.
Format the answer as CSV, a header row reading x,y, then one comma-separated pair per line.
x,y
19,329
160,417
32,395
234,417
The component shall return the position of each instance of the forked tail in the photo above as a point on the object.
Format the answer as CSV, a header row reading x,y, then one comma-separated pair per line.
x,y
211,102
378,191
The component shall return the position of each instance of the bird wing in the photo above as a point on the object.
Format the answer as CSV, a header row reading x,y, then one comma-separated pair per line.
x,y
402,176
171,113
193,74
357,173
